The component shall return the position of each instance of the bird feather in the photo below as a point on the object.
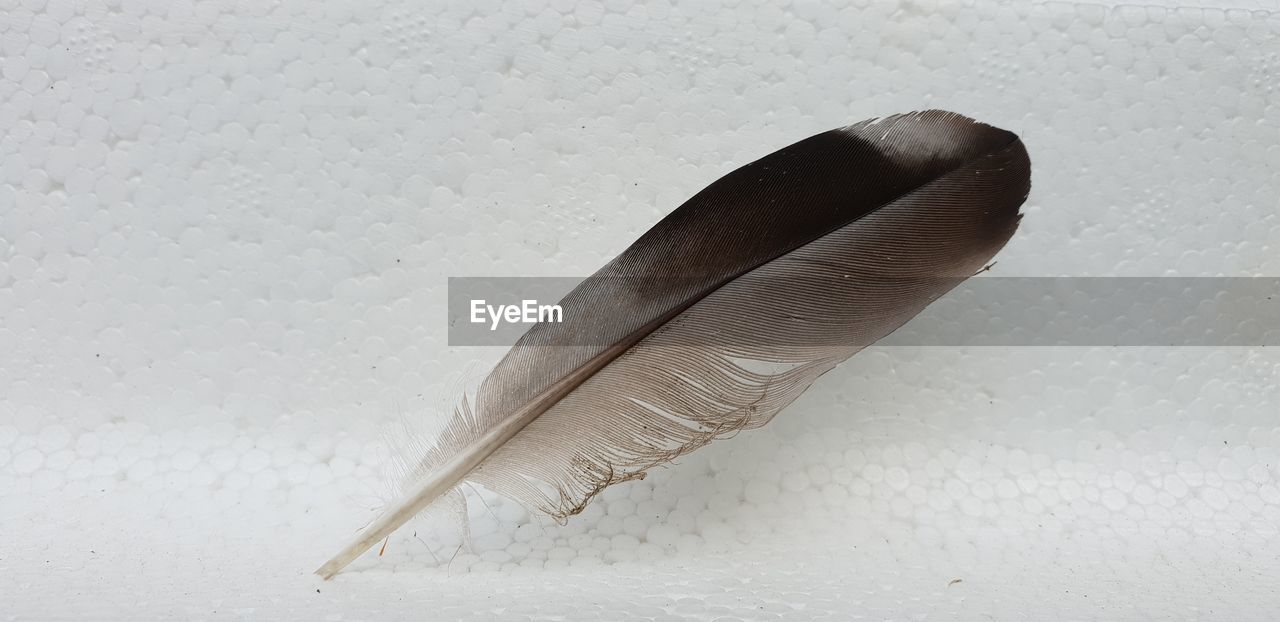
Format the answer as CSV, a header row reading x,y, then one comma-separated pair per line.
x,y
727,310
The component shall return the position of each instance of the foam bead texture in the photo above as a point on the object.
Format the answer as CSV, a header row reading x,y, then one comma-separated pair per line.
x,y
225,232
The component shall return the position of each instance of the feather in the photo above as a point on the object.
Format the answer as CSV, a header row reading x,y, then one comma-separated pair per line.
x,y
727,310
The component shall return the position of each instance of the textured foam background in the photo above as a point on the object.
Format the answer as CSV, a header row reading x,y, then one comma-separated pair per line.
x,y
225,230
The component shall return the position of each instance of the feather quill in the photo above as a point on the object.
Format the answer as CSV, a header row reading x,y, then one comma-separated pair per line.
x,y
727,310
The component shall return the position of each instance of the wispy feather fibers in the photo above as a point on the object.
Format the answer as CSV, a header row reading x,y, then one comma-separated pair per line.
x,y
728,309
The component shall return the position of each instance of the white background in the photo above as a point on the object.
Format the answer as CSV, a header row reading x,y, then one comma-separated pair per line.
x,y
225,230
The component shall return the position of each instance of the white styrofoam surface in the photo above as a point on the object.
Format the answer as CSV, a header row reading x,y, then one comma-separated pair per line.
x,y
225,230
